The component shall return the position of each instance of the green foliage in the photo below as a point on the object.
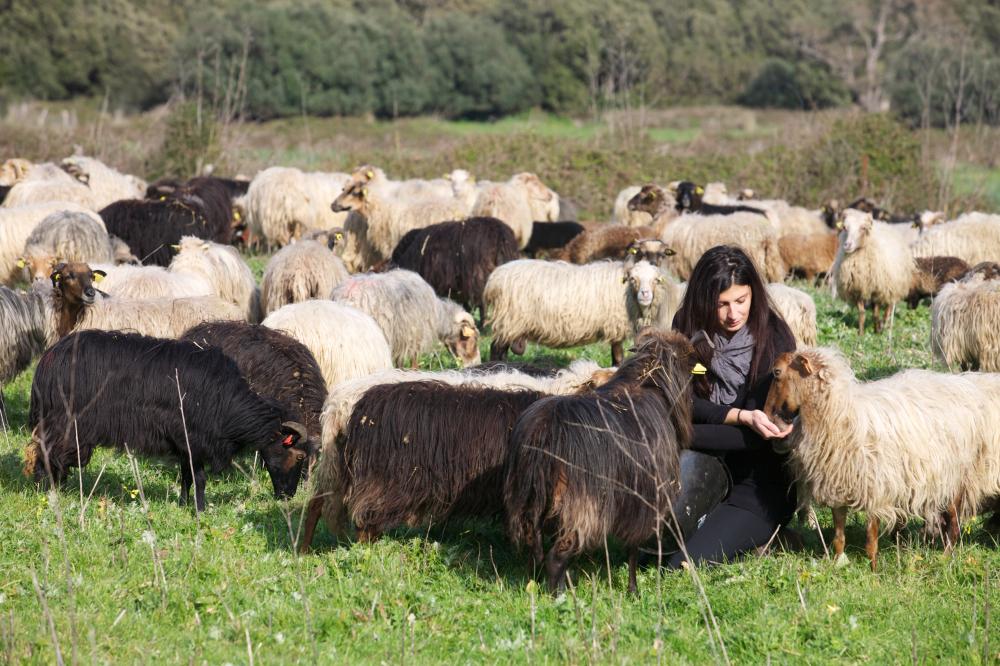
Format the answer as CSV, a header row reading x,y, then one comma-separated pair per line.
x,y
798,85
191,141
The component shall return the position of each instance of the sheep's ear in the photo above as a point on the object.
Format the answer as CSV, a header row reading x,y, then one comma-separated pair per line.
x,y
667,252
99,275
468,331
803,365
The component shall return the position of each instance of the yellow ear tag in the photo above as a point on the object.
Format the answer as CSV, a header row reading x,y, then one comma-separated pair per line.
x,y
57,277
163,197
699,190
339,236
176,247
369,174
840,225
98,277
236,215
20,263
633,250
698,369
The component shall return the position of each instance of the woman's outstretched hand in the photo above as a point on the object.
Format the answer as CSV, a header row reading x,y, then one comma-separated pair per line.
x,y
758,421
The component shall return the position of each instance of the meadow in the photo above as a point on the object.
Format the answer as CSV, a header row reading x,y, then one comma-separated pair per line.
x,y
110,569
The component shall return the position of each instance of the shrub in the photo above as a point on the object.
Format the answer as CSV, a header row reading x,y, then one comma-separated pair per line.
x,y
802,85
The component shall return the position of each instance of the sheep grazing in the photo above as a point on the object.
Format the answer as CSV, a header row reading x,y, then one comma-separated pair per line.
x,y
300,271
85,393
551,237
16,225
932,273
519,202
456,258
690,236
603,463
689,199
872,265
275,365
965,324
380,221
973,237
25,333
75,306
283,203
907,445
809,255
328,492
345,341
798,310
106,184
411,315
151,228
222,267
65,236
563,305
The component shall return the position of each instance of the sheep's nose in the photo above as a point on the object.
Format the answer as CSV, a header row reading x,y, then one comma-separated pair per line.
x,y
89,292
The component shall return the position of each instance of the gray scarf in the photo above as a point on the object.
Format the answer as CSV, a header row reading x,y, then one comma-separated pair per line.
x,y
730,365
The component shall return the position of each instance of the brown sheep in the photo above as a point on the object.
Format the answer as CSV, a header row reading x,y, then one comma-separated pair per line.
x,y
808,255
932,273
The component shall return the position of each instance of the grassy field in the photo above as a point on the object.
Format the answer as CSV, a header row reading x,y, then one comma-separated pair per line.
x,y
111,569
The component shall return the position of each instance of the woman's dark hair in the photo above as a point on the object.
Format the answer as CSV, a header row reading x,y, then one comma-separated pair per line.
x,y
719,269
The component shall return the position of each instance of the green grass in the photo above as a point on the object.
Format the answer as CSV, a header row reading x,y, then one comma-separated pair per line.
x,y
133,577
976,180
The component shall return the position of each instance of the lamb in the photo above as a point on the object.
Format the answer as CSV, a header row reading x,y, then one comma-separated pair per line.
x,y
809,255
328,492
380,222
16,225
973,237
907,445
345,341
106,184
456,258
300,271
150,228
563,305
798,310
932,273
75,306
283,203
85,393
411,315
690,236
965,324
221,267
604,463
27,330
872,265
65,236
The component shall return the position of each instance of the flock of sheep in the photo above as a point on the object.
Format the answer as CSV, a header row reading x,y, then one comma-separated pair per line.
x,y
372,273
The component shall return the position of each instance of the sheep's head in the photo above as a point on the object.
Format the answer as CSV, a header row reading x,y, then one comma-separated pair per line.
x,y
643,278
75,282
649,200
928,219
354,197
543,201
75,168
829,212
463,339
855,228
796,377
653,250
746,194
121,252
366,174
666,360
37,264
13,171
285,457
984,271
689,196
863,204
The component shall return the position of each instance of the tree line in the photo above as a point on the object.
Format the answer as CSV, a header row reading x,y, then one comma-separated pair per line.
x,y
934,62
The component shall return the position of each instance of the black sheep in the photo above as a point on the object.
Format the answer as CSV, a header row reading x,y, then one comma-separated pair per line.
x,y
689,200
602,463
150,228
456,258
116,389
547,236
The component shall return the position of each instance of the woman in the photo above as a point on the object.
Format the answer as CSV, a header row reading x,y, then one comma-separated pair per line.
x,y
737,338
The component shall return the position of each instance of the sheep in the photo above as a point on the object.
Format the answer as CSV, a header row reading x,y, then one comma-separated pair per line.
x,y
345,341
653,250
798,310
654,201
456,258
65,236
622,214
300,271
973,237
690,236
984,270
411,315
150,228
211,197
965,324
151,282
25,333
275,365
282,203
221,267
327,490
75,306
932,273
519,202
902,446
689,199
872,265
604,463
85,393
809,255
32,184
106,184
604,242
121,253
564,305
16,225
379,222
551,237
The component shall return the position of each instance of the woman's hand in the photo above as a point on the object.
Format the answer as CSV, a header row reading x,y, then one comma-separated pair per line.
x,y
757,421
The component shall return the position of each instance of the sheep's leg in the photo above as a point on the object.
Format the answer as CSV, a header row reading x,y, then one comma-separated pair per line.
x,y
617,353
4,423
876,318
199,489
839,521
633,563
313,513
871,542
890,311
954,528
185,484
536,548
861,317
557,562
498,351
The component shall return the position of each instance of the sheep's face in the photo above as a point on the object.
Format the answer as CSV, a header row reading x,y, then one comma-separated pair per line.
x,y
689,195
649,200
75,282
37,266
928,219
643,279
794,373
855,229
464,340
285,458
353,198
652,250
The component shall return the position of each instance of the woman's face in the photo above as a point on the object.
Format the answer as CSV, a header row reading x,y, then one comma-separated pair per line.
x,y
733,307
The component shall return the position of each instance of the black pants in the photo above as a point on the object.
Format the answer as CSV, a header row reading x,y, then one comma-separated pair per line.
x,y
727,533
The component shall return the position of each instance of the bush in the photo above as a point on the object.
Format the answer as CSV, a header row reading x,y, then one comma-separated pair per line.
x,y
191,142
784,85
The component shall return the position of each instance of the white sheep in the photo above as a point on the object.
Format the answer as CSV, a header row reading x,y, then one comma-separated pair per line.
x,y
33,191
965,325
151,282
65,236
873,265
411,315
283,203
974,237
16,225
690,236
221,267
300,271
346,342
557,304
798,310
518,203
106,184
26,331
